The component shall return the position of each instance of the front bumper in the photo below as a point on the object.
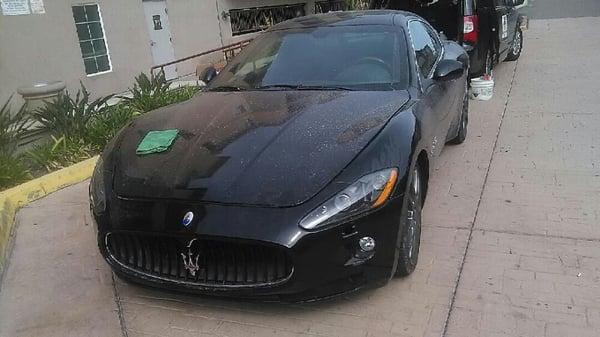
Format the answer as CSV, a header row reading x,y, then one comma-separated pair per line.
x,y
325,263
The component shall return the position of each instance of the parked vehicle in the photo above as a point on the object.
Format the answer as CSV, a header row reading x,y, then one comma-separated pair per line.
x,y
299,172
490,30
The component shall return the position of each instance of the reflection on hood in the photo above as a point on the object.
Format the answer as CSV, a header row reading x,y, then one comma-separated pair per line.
x,y
274,148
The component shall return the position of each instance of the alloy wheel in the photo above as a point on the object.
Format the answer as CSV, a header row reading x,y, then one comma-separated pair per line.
x,y
413,220
410,226
517,43
465,113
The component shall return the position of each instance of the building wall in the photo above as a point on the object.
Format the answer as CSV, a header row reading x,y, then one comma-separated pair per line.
x,y
44,47
40,47
198,26
194,28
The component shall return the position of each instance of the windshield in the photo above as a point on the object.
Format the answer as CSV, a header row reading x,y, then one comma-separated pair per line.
x,y
343,57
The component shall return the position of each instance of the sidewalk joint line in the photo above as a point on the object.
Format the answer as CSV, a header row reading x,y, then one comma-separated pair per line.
x,y
549,236
487,172
119,307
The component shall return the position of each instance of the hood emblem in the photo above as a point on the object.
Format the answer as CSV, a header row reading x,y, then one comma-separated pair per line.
x,y
187,219
190,261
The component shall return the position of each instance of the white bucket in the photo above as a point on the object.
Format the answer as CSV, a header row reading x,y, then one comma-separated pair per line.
x,y
482,88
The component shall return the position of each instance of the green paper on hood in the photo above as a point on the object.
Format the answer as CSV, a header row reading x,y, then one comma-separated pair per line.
x,y
157,141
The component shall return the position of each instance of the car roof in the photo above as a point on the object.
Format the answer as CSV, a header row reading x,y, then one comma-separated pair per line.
x,y
346,18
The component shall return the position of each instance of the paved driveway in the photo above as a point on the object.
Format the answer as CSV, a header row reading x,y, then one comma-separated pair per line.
x,y
511,242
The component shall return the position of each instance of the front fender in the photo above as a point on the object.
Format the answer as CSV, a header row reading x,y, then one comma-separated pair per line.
x,y
395,146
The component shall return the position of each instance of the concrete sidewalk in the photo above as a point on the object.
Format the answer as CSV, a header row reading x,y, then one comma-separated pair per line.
x,y
510,242
533,261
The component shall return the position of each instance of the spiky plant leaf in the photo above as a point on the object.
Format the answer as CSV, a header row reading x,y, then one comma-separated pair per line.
x,y
65,116
13,127
12,171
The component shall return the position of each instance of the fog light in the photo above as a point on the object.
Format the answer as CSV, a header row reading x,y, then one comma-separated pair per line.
x,y
366,243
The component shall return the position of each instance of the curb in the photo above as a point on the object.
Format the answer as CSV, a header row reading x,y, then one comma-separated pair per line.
x,y
14,198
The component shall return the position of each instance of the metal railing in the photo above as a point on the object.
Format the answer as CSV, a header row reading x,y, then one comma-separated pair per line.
x,y
325,6
250,20
227,51
330,6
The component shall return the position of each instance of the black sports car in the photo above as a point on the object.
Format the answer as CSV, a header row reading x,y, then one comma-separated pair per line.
x,y
298,173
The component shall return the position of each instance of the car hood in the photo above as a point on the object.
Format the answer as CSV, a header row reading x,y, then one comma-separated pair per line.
x,y
268,148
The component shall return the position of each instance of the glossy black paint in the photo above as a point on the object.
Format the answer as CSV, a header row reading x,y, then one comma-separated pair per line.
x,y
252,164
241,147
448,70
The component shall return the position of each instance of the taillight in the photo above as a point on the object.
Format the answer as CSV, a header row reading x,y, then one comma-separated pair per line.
x,y
471,28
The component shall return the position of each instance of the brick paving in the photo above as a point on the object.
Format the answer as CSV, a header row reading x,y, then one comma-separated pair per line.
x,y
533,262
510,242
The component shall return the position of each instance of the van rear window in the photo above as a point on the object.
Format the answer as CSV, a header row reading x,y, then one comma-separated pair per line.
x,y
470,7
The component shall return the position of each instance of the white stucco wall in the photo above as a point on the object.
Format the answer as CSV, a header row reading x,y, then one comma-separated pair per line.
x,y
45,47
40,47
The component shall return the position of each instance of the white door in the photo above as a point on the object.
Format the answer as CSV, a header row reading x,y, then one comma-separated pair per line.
x,y
157,22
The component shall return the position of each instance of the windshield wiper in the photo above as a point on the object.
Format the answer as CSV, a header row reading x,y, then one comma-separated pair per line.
x,y
303,87
226,88
278,86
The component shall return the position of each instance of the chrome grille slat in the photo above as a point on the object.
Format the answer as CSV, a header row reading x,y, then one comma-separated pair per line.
x,y
220,263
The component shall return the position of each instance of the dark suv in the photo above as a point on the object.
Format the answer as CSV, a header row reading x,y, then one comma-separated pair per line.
x,y
490,30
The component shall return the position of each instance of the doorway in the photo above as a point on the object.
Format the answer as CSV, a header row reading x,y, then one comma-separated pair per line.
x,y
157,22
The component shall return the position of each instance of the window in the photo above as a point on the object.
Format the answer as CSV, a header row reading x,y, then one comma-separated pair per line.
x,y
427,48
437,44
366,57
330,6
470,7
91,38
250,20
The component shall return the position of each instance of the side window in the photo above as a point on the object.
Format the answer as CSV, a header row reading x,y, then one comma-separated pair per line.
x,y
436,41
427,49
470,7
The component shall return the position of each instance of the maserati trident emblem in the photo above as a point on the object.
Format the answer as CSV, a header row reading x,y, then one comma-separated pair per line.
x,y
190,263
187,219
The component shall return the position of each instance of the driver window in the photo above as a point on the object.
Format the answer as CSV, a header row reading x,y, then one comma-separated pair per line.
x,y
436,41
427,49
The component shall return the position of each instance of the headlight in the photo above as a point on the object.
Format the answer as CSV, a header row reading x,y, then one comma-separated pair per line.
x,y
97,191
369,192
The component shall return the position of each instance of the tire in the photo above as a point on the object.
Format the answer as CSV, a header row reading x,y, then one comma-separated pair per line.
x,y
517,46
463,125
410,222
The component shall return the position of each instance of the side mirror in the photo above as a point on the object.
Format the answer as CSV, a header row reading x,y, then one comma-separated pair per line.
x,y
518,2
207,74
448,70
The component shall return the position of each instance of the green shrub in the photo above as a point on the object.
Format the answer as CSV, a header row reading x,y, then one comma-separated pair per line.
x,y
13,126
184,93
69,117
58,153
150,93
12,171
103,127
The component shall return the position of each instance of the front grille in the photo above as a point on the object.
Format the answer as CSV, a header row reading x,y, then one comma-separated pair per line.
x,y
213,263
